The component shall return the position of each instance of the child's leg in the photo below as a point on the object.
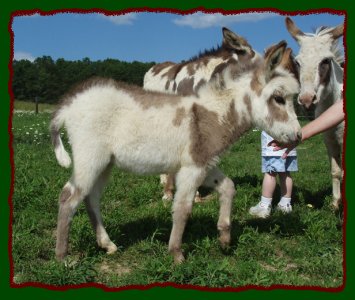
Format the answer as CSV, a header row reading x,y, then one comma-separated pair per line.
x,y
263,208
269,185
286,184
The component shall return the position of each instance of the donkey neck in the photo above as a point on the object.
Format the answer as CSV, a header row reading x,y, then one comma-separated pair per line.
x,y
217,124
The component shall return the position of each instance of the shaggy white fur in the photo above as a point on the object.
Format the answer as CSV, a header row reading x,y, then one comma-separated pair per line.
x,y
321,78
196,71
147,132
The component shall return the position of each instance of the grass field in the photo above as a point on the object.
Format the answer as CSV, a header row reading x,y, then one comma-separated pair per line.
x,y
301,249
27,106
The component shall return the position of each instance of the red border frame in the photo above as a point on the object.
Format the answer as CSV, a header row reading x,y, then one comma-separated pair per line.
x,y
169,284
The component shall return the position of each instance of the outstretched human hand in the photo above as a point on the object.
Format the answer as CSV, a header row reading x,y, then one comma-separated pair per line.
x,y
328,119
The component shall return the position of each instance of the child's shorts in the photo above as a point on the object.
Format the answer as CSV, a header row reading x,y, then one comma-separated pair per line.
x,y
272,164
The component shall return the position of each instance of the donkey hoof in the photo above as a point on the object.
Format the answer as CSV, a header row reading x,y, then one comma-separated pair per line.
x,y
224,240
178,258
198,199
111,249
167,197
60,256
336,204
177,255
224,244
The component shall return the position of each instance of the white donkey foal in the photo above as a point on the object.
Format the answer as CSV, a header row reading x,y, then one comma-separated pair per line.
x,y
148,132
321,78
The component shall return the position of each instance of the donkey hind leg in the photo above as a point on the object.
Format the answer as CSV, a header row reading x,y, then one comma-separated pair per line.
x,y
167,180
226,190
336,171
69,200
188,179
334,153
73,193
92,203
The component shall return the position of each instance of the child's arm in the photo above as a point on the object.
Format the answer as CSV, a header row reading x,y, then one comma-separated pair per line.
x,y
328,119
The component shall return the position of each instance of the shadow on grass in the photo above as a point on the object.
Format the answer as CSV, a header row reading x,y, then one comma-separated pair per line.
x,y
202,227
285,225
130,233
252,180
315,198
199,227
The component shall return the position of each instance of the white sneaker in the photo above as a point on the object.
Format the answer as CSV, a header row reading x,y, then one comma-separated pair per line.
x,y
286,209
260,210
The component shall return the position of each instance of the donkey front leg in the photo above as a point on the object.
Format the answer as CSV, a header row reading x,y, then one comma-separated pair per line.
x,y
226,190
188,179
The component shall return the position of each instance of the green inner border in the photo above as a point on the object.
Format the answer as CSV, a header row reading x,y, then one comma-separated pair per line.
x,y
301,7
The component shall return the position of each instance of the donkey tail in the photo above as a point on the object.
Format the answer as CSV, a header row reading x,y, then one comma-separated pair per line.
x,y
61,154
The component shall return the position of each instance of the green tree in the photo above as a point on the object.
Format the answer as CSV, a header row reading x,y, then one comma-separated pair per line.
x,y
49,80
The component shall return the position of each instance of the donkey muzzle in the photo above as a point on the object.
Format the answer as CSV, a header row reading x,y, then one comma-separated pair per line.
x,y
307,99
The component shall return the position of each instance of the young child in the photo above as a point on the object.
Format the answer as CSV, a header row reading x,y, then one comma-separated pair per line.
x,y
272,165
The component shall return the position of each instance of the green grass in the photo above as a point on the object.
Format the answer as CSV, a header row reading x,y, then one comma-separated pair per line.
x,y
303,248
31,106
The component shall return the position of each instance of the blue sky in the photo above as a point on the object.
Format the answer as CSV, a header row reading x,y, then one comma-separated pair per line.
x,y
147,36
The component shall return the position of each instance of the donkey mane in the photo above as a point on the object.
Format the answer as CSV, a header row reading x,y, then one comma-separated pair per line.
x,y
234,69
203,53
219,50
214,51
336,48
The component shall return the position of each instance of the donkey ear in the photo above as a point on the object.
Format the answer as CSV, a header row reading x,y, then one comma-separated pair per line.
x,y
337,32
273,57
234,41
288,63
293,29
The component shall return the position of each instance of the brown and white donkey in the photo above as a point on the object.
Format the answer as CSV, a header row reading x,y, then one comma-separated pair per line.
x,y
321,77
187,77
110,123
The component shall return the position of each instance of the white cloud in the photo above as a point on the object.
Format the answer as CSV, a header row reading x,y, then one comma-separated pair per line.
x,y
202,20
126,19
20,55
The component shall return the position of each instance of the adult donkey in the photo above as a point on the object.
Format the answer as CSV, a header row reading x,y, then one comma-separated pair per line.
x,y
187,77
321,78
149,132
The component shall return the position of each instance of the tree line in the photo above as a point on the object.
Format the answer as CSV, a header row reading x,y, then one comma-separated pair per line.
x,y
48,79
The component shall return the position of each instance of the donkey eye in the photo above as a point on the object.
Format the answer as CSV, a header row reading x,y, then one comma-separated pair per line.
x,y
279,100
240,51
325,61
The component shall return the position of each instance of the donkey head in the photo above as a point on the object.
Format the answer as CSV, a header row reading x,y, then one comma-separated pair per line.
x,y
317,57
275,83
236,43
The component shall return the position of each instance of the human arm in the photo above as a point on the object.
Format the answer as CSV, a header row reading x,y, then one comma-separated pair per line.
x,y
328,119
